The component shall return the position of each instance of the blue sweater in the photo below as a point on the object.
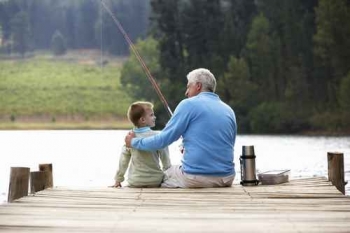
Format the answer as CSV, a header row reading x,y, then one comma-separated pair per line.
x,y
208,127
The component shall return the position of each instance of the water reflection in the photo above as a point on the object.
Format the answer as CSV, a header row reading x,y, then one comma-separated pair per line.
x,y
90,157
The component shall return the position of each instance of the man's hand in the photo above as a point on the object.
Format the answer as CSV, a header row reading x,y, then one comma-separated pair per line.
x,y
128,138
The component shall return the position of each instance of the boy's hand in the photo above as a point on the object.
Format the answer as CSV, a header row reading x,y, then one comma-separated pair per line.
x,y
116,185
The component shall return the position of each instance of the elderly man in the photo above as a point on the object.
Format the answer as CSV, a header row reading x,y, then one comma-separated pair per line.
x,y
208,128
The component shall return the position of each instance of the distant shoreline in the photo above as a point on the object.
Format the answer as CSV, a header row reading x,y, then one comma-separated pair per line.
x,y
120,124
96,124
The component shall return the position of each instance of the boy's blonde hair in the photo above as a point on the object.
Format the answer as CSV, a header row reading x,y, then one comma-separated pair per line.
x,y
137,110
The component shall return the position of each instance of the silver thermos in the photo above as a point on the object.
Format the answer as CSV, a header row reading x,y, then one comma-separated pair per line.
x,y
247,161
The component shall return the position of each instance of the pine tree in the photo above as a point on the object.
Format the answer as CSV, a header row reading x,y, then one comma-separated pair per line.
x,y
20,32
259,54
58,44
167,29
332,45
202,34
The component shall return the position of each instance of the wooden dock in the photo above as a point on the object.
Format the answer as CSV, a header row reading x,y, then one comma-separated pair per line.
x,y
304,205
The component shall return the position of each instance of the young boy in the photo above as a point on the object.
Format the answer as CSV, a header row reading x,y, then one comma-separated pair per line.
x,y
144,169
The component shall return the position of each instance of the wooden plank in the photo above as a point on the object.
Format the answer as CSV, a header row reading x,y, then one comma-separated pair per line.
x,y
308,205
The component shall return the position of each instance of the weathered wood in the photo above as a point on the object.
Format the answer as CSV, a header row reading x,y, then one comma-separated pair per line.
x,y
306,205
19,182
49,174
38,180
336,170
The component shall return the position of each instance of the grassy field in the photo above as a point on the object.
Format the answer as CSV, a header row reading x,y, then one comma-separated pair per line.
x,y
73,91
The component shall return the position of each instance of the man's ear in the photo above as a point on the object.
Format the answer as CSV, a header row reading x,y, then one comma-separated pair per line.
x,y
199,86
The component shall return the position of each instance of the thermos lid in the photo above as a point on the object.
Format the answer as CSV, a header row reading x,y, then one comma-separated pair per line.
x,y
247,150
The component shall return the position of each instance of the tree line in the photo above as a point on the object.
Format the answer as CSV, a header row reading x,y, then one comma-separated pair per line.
x,y
29,25
282,65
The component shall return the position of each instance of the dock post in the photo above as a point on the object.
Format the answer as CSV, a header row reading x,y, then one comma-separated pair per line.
x,y
19,182
336,170
47,168
38,181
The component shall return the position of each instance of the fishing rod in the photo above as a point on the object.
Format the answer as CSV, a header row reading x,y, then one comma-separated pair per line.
x,y
139,58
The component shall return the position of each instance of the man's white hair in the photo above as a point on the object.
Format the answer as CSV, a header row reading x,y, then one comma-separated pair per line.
x,y
203,76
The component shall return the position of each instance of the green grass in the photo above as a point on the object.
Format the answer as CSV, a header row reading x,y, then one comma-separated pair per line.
x,y
44,90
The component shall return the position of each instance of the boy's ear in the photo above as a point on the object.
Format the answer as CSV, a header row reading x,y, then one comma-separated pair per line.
x,y
142,120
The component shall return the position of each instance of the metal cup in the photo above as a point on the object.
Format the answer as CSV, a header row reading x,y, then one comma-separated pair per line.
x,y
248,150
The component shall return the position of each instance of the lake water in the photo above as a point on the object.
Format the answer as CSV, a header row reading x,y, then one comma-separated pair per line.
x,y
90,157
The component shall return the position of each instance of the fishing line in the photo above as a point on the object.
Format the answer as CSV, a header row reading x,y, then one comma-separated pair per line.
x,y
139,58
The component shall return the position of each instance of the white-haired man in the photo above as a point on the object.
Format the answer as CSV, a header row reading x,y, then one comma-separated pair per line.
x,y
208,128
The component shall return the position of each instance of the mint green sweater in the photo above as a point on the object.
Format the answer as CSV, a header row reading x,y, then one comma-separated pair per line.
x,y
144,166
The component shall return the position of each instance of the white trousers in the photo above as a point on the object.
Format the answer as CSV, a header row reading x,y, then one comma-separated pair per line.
x,y
175,178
